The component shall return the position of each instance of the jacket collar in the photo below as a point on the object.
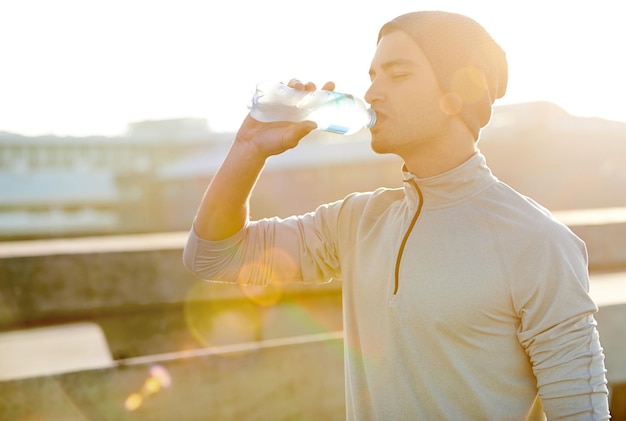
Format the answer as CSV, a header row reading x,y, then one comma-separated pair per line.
x,y
451,187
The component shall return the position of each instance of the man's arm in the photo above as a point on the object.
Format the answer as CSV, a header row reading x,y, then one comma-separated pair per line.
x,y
224,208
558,329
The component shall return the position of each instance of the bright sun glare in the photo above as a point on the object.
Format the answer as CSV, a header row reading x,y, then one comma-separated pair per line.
x,y
78,68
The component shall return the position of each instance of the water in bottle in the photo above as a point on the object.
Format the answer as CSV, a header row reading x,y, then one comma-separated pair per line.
x,y
332,111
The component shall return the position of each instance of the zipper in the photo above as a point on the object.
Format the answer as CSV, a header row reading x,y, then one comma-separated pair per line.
x,y
406,236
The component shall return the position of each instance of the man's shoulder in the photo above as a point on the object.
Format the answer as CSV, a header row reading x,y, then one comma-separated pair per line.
x,y
379,198
524,213
370,204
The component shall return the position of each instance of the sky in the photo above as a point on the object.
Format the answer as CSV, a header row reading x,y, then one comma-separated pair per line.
x,y
87,67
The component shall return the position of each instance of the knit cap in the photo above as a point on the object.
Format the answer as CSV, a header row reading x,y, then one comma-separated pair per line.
x,y
471,67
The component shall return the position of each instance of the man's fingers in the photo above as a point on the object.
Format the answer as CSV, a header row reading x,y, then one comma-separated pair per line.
x,y
292,137
329,86
296,83
309,86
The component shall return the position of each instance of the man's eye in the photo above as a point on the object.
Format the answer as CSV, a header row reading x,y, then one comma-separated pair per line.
x,y
399,75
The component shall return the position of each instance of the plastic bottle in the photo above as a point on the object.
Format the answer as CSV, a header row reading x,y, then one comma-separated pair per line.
x,y
332,111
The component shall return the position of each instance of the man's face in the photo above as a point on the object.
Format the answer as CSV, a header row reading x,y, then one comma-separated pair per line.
x,y
405,94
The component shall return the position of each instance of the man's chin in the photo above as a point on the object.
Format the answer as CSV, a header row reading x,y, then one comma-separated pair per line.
x,y
379,145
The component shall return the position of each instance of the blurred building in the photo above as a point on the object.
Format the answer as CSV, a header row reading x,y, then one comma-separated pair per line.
x,y
152,178
64,186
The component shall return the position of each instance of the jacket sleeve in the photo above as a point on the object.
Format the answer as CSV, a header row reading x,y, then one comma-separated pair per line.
x,y
558,330
295,249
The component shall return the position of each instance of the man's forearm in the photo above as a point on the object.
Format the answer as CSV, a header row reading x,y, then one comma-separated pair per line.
x,y
224,208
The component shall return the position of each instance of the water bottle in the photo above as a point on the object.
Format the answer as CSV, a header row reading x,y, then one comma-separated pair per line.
x,y
332,111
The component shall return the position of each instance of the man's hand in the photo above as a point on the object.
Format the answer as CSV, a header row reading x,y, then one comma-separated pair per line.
x,y
224,207
266,139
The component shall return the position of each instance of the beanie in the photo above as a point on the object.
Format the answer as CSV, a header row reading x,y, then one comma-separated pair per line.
x,y
471,67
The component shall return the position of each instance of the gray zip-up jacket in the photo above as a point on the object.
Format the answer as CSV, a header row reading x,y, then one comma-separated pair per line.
x,y
462,298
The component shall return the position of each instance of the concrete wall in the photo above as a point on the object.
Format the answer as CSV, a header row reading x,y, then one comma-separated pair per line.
x,y
137,290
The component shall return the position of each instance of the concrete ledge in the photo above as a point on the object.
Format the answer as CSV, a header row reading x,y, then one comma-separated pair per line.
x,y
268,381
612,328
61,279
52,350
49,280
294,378
604,232
608,290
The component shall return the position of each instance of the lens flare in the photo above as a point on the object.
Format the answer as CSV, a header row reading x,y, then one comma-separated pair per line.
x,y
265,296
214,320
159,378
316,315
151,386
161,375
277,268
133,402
470,84
222,321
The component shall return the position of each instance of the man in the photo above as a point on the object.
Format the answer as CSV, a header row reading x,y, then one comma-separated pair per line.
x,y
462,298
